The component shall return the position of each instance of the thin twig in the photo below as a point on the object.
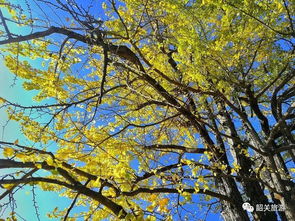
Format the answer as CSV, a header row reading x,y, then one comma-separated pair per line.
x,y
104,75
74,202
5,25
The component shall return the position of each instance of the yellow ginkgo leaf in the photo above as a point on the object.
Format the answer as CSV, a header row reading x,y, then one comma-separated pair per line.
x,y
2,100
21,156
153,197
163,202
150,208
16,142
8,152
38,165
50,161
8,186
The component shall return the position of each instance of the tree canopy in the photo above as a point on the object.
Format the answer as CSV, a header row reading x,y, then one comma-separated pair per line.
x,y
153,110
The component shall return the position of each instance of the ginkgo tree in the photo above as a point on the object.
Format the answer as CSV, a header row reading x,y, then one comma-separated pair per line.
x,y
154,110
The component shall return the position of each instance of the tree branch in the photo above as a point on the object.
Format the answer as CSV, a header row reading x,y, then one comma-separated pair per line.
x,y
5,25
175,147
114,207
170,190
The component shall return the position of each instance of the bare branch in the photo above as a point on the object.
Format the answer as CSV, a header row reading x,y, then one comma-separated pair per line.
x,y
3,19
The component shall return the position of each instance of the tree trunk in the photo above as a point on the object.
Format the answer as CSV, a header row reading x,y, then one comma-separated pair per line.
x,y
253,189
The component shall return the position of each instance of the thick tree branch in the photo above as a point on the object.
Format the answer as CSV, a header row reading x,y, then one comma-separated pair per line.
x,y
114,207
175,147
170,190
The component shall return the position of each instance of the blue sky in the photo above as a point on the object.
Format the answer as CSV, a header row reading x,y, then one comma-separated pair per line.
x,y
47,201
11,89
